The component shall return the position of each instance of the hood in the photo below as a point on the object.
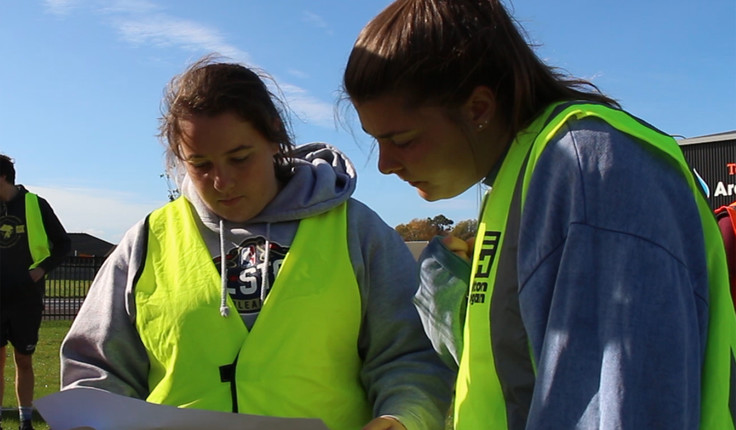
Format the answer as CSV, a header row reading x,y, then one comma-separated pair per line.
x,y
323,177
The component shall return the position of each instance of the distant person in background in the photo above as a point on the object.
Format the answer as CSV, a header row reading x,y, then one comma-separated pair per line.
x,y
32,243
597,296
265,288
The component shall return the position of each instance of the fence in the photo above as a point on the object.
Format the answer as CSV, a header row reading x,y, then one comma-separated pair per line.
x,y
67,286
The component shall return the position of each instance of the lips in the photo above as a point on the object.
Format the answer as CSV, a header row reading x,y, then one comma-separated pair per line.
x,y
413,183
229,202
407,180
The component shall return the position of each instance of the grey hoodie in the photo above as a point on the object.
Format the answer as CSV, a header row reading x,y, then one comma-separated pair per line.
x,y
401,373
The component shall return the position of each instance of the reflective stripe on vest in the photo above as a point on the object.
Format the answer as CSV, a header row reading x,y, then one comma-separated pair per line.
x,y
494,391
300,359
38,241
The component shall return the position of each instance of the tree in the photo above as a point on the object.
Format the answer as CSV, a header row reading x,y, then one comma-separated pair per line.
x,y
417,229
465,229
442,223
427,228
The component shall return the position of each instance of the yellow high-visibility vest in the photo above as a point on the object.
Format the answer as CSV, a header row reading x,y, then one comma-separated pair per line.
x,y
300,359
38,241
480,401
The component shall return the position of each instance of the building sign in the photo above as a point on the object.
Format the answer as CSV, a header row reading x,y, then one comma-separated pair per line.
x,y
713,159
726,189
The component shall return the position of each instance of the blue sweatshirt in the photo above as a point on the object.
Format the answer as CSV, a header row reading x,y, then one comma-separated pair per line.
x,y
613,289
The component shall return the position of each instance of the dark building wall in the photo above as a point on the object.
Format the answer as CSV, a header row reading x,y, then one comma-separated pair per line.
x,y
715,162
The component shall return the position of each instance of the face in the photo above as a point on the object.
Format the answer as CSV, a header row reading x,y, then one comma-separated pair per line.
x,y
423,147
5,189
230,164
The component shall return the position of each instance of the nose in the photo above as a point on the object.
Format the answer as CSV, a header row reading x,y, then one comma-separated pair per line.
x,y
222,180
387,161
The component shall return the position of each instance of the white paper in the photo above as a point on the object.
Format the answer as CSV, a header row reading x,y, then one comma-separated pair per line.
x,y
93,409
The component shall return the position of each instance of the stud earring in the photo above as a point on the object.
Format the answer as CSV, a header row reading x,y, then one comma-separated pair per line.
x,y
483,124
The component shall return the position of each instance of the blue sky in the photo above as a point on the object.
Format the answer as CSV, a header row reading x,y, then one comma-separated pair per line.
x,y
81,83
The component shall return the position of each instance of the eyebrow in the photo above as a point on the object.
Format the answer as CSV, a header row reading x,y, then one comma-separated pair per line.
x,y
230,152
389,135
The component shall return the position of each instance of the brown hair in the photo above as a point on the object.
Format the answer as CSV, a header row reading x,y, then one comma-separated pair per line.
x,y
210,88
438,51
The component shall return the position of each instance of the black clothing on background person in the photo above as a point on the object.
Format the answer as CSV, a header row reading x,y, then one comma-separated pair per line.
x,y
15,255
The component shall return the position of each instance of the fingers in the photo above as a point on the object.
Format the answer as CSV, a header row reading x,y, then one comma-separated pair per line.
x,y
384,423
461,248
471,243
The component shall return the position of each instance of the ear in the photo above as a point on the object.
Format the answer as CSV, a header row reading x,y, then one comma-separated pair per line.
x,y
480,107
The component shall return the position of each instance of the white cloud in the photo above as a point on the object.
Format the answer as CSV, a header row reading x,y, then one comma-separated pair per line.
x,y
165,31
65,7
60,7
314,19
298,73
106,214
143,22
307,107
129,6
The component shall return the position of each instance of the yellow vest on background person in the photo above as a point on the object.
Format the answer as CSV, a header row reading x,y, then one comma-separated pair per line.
x,y
300,359
480,402
38,241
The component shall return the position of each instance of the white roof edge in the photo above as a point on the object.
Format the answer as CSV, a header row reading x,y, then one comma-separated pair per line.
x,y
718,137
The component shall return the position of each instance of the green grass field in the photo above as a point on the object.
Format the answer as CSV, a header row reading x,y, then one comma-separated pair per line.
x,y
46,369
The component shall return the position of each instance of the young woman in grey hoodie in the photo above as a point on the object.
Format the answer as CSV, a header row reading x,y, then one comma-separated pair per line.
x,y
323,287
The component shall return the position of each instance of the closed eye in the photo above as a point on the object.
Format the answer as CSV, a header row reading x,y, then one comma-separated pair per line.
x,y
399,143
199,165
239,159
399,139
403,143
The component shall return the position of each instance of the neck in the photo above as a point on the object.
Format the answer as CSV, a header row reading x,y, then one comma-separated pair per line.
x,y
492,144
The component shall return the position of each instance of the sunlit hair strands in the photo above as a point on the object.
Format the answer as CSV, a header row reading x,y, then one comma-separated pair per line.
x,y
438,51
210,87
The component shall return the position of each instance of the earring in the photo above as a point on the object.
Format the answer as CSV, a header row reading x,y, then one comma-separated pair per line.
x,y
483,124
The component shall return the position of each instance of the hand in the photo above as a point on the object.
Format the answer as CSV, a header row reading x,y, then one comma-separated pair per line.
x,y
36,274
384,423
461,248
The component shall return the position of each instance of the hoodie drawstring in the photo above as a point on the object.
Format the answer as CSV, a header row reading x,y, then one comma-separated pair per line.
x,y
224,310
264,271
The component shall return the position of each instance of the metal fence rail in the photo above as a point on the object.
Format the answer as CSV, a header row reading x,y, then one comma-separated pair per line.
x,y
67,286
